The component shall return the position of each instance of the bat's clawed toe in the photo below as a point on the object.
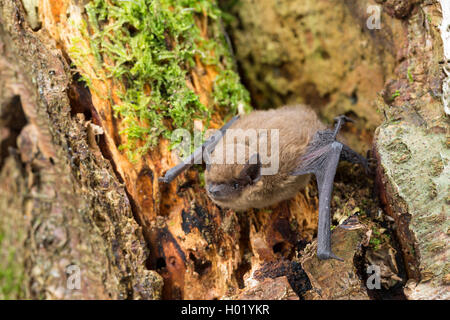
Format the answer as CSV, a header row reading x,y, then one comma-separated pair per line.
x,y
340,120
326,255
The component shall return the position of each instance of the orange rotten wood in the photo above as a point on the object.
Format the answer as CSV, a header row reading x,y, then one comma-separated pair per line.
x,y
201,251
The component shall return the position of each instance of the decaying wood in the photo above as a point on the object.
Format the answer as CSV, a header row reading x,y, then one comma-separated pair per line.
x,y
344,281
269,289
78,200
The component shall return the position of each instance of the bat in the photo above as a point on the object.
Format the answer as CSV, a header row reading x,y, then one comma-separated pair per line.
x,y
245,169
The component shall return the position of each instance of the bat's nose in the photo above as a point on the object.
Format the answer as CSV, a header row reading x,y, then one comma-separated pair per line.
x,y
215,190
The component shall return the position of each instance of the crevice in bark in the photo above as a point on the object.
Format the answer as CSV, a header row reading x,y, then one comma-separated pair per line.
x,y
410,254
361,264
12,120
293,270
81,102
200,266
245,249
80,98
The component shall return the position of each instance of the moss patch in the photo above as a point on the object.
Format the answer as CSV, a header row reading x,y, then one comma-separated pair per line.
x,y
228,92
148,48
11,273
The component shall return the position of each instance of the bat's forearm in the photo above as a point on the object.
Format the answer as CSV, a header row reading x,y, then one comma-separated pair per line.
x,y
209,145
325,179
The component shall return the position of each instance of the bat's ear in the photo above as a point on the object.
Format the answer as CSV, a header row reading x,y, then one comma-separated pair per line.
x,y
252,169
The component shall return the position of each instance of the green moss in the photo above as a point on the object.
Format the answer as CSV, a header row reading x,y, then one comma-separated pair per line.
x,y
150,46
379,238
395,95
228,92
201,177
375,243
410,76
11,274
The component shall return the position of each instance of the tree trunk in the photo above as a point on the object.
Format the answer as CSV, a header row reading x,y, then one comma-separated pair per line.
x,y
61,202
80,197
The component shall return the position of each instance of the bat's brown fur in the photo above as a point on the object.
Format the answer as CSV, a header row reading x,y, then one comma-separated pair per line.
x,y
297,125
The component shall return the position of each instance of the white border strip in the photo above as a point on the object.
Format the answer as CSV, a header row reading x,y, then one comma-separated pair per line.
x,y
445,34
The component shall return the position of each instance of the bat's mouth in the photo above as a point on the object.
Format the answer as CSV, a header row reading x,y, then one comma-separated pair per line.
x,y
218,197
219,192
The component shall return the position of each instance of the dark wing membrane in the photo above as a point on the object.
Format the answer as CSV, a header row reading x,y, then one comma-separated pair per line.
x,y
354,157
313,159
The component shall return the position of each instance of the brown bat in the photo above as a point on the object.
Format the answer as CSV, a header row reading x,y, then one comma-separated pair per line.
x,y
245,169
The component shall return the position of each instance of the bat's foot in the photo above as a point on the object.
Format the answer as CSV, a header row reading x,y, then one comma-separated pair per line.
x,y
321,158
325,255
352,156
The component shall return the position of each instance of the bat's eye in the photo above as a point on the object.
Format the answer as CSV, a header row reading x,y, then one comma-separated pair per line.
x,y
236,186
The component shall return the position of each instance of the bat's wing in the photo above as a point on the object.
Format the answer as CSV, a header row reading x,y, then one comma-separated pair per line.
x,y
209,144
321,159
354,157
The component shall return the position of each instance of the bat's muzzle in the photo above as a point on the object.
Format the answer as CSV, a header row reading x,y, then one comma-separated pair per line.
x,y
218,192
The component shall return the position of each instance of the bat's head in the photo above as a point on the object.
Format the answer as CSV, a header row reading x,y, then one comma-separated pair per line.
x,y
227,182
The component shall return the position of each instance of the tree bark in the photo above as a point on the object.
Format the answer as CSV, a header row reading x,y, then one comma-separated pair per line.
x,y
61,202
71,197
412,149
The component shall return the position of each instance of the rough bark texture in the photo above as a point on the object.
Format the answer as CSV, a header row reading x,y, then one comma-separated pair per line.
x,y
413,153
69,196
61,203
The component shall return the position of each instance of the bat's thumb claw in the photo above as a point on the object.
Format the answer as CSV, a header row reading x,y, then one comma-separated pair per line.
x,y
343,119
163,179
